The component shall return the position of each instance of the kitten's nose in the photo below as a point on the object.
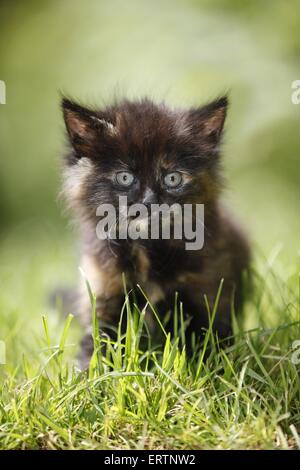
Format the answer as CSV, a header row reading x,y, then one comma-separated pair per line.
x,y
149,197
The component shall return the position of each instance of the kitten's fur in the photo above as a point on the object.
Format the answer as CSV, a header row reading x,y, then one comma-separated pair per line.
x,y
151,139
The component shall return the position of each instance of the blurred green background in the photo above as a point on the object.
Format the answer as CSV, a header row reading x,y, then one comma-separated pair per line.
x,y
183,51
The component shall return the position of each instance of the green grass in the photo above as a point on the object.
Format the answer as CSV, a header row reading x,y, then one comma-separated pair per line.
x,y
141,395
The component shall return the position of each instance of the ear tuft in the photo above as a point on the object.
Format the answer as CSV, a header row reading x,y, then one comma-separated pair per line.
x,y
112,130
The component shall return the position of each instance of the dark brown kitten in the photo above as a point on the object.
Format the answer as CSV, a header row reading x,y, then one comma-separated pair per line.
x,y
148,141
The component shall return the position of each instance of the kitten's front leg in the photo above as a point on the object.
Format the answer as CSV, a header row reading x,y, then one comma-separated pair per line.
x,y
105,280
108,311
192,295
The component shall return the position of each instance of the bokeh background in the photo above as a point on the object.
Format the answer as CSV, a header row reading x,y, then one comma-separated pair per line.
x,y
183,51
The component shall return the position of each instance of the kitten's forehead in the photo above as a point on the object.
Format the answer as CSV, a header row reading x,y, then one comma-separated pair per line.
x,y
150,129
145,118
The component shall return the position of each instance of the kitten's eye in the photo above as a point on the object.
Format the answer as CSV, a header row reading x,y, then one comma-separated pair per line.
x,y
172,180
124,178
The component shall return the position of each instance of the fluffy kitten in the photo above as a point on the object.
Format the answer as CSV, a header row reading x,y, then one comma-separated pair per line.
x,y
147,144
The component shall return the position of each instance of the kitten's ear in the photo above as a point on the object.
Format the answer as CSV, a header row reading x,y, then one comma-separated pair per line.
x,y
84,127
208,121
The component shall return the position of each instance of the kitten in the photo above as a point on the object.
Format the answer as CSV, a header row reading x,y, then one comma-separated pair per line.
x,y
153,154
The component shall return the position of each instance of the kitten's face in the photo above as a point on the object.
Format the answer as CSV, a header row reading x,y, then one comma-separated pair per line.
x,y
144,151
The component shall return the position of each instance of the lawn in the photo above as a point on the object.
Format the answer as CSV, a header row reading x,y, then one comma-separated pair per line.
x,y
144,395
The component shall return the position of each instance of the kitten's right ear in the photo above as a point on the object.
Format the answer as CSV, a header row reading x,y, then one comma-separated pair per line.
x,y
84,127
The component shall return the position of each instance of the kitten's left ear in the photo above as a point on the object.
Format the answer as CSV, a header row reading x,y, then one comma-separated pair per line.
x,y
208,121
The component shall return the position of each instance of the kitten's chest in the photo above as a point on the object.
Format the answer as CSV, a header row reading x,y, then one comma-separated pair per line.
x,y
161,263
